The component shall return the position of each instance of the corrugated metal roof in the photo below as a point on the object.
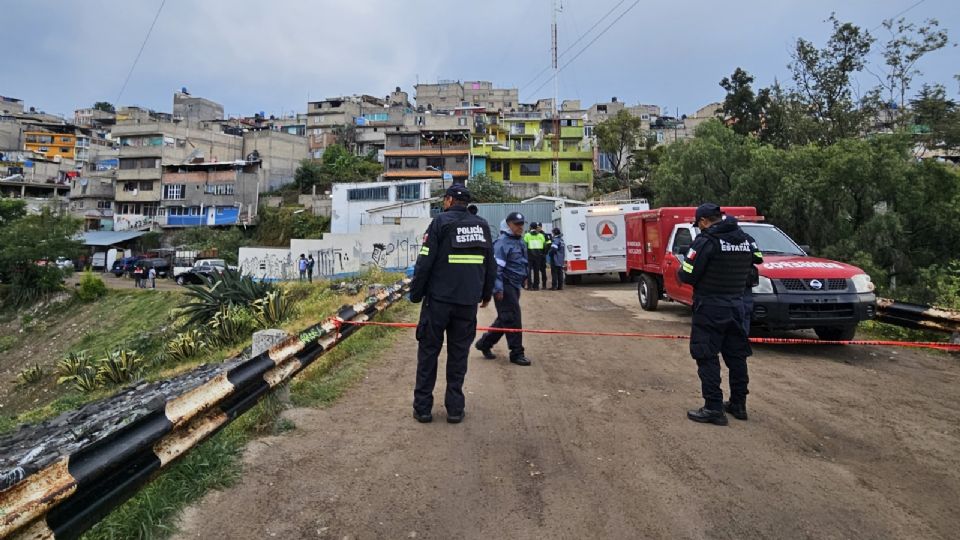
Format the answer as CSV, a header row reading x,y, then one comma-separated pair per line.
x,y
108,238
494,213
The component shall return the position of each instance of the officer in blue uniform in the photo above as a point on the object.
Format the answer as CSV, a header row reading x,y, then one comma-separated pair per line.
x,y
455,271
510,252
718,265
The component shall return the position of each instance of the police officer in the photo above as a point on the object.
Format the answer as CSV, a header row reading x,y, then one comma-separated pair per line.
x,y
511,256
455,271
753,279
546,251
717,265
535,256
557,256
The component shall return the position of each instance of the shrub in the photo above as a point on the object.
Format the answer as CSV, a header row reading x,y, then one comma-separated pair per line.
x,y
73,364
31,375
186,345
91,287
119,367
223,290
273,308
231,325
7,343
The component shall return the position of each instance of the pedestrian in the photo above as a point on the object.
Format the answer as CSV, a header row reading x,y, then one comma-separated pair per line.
x,y
753,279
546,251
310,263
557,256
717,265
138,276
473,209
535,256
152,274
302,267
455,271
511,255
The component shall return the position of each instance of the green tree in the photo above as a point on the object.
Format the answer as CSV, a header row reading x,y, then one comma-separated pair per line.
x,y
743,108
484,189
618,137
823,79
907,45
30,245
104,106
936,118
11,210
277,226
307,175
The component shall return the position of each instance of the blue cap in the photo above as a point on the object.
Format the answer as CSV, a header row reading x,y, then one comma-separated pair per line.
x,y
515,217
706,210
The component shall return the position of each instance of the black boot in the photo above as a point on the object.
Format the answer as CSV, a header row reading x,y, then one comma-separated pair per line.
x,y
707,416
423,418
520,360
487,353
738,410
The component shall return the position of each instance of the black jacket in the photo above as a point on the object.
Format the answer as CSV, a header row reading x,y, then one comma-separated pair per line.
x,y
456,263
720,261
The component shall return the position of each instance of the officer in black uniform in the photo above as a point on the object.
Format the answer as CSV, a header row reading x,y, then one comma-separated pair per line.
x,y
455,271
718,265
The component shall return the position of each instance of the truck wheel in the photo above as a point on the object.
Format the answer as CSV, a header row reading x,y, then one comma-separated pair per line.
x,y
180,280
836,333
649,293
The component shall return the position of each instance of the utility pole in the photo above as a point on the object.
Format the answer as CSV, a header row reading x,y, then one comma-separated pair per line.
x,y
556,105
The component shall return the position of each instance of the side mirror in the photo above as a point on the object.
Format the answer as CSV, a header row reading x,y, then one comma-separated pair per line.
x,y
806,249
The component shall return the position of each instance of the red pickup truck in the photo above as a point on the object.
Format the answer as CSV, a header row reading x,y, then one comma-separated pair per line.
x,y
795,291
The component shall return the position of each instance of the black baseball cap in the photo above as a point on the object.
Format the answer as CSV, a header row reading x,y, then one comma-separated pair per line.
x,y
706,210
515,217
458,192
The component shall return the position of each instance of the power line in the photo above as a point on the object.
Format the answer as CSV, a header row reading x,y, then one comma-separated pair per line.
x,y
572,45
898,14
592,41
137,59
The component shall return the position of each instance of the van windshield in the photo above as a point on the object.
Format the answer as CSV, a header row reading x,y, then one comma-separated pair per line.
x,y
772,241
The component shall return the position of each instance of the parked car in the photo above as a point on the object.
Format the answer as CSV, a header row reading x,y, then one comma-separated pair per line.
x,y
124,265
162,266
196,275
64,263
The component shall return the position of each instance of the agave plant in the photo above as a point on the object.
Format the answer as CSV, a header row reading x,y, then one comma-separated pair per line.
x,y
225,289
185,345
273,308
120,366
73,364
84,380
31,375
230,325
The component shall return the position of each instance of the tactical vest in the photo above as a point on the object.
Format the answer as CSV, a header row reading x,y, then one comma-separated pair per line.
x,y
729,267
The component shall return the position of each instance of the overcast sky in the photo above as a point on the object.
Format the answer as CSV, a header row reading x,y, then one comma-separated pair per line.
x,y
272,55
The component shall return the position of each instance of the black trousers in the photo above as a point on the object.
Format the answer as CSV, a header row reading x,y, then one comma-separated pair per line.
x,y
719,329
460,325
536,263
556,276
508,316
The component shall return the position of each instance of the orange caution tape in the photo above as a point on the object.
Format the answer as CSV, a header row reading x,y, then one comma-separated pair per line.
x,y
951,347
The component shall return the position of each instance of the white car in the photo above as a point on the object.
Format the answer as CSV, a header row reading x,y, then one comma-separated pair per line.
x,y
64,263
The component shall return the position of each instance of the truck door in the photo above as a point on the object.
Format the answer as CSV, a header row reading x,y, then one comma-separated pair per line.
x,y
680,241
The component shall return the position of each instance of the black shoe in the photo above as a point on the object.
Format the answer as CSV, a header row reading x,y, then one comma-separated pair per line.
x,y
423,418
487,353
707,416
520,361
456,418
738,410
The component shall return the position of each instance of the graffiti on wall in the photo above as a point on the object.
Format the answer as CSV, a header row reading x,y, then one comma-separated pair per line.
x,y
268,264
330,261
400,254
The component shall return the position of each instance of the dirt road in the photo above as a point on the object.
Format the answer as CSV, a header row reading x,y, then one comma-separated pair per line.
x,y
592,442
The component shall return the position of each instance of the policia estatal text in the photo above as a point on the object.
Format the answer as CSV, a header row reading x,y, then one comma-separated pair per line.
x,y
718,264
455,271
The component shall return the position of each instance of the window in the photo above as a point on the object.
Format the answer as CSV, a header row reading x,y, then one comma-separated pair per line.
x,y
64,139
529,168
408,192
146,186
461,121
129,186
408,140
601,108
193,211
461,159
496,166
220,189
104,205
576,166
394,163
127,164
173,191
369,194
518,129
435,162
65,150
411,163
682,241
176,211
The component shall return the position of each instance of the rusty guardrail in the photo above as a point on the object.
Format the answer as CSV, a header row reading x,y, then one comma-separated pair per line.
x,y
917,316
65,498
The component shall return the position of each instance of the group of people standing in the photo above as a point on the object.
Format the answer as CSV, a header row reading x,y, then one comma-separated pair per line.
x,y
305,267
544,250
141,275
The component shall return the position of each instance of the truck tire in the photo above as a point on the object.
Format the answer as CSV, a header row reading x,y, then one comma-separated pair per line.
x,y
181,280
572,280
648,291
836,333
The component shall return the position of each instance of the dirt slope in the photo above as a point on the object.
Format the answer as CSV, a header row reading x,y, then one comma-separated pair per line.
x,y
592,442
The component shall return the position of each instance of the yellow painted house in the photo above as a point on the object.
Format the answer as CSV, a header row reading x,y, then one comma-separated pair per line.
x,y
50,144
520,148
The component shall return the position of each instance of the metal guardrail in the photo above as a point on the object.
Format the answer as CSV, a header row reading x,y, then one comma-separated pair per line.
x,y
917,316
67,497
